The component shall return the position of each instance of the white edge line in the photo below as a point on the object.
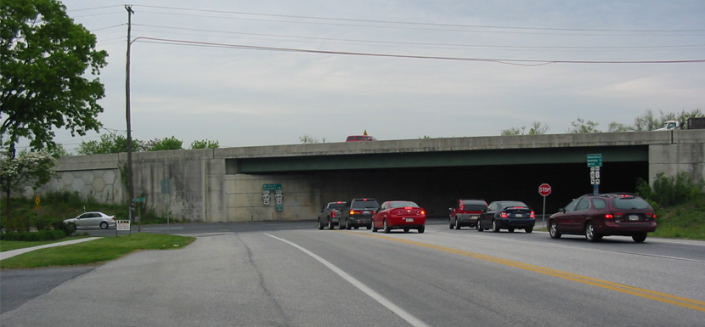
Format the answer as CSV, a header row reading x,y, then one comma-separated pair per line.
x,y
379,298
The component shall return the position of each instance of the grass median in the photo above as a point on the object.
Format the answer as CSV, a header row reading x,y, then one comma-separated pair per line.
x,y
98,251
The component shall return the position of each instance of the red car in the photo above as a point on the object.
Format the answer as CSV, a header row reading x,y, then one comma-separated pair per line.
x,y
404,215
360,138
466,213
601,215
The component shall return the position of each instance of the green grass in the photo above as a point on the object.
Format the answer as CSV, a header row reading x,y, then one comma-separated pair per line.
x,y
685,221
14,245
98,251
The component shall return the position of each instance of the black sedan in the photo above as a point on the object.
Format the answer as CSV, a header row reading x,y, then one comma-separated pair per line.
x,y
509,215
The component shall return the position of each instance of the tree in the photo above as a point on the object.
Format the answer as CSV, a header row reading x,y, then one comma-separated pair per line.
x,y
28,166
310,139
45,57
204,144
581,126
167,143
110,143
537,128
648,122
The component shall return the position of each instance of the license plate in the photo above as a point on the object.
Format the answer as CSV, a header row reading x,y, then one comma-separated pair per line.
x,y
633,217
518,215
366,212
474,217
409,220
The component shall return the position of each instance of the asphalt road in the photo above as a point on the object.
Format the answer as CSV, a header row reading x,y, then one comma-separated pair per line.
x,y
292,274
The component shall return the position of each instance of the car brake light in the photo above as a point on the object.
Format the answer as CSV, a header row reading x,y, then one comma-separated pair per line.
x,y
609,216
503,214
518,207
533,216
407,208
423,212
332,214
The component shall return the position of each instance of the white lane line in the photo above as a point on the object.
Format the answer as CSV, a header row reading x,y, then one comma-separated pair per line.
x,y
379,298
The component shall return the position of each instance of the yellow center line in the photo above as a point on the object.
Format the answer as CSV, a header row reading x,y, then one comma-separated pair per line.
x,y
636,291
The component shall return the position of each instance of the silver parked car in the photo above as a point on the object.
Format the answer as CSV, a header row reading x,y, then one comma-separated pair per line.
x,y
92,219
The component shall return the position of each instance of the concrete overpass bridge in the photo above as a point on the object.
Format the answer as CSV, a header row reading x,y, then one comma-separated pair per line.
x,y
228,184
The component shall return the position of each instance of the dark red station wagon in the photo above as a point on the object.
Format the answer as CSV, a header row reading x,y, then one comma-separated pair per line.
x,y
598,215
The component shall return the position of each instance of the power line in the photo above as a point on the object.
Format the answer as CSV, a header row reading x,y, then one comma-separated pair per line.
x,y
531,62
432,44
422,24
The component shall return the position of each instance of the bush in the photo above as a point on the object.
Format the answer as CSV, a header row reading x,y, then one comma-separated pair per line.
x,y
45,235
671,191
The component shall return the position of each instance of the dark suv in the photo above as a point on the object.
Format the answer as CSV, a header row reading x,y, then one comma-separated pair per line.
x,y
466,213
358,212
598,215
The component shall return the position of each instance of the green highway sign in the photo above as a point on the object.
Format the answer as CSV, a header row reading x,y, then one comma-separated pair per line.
x,y
594,160
138,200
271,187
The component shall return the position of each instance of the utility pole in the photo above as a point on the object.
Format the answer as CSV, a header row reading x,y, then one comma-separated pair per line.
x,y
131,188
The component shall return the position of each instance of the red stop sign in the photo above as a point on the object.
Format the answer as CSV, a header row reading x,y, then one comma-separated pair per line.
x,y
544,189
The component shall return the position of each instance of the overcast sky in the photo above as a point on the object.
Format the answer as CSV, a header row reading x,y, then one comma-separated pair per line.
x,y
478,67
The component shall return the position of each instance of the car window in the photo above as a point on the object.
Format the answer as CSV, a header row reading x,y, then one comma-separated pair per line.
x,y
402,204
571,206
511,204
336,205
493,206
599,203
358,138
364,204
630,203
584,204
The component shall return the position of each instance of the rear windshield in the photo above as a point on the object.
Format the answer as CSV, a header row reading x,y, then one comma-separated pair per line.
x,y
512,204
474,207
630,203
364,204
402,204
336,205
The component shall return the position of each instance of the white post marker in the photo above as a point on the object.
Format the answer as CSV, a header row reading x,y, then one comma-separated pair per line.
x,y
544,190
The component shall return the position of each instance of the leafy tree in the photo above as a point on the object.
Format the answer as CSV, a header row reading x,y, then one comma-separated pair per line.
x,y
537,128
28,166
581,126
45,58
649,122
167,143
204,144
310,139
110,143
59,151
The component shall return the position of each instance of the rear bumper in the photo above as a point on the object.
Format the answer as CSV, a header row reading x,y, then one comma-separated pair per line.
x,y
515,223
468,220
613,228
358,221
396,223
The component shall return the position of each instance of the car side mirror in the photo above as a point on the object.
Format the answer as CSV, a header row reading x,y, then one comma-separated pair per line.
x,y
451,209
562,210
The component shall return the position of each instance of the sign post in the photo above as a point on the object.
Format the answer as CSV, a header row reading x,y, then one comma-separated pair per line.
x,y
594,161
544,190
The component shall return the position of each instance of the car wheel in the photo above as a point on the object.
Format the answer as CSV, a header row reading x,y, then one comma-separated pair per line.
x,y
347,225
639,238
495,227
450,223
104,225
511,230
478,227
374,229
369,226
422,229
553,230
457,224
590,233
387,229
529,230
330,224
320,225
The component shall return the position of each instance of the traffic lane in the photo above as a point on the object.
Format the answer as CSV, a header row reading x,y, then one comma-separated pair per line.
x,y
21,285
448,288
236,279
606,261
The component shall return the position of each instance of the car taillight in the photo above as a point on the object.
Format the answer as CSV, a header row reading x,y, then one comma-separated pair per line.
x,y
332,214
609,216
533,215
423,212
113,218
503,215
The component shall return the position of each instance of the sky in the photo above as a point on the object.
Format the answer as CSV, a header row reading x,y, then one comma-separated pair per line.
x,y
267,72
